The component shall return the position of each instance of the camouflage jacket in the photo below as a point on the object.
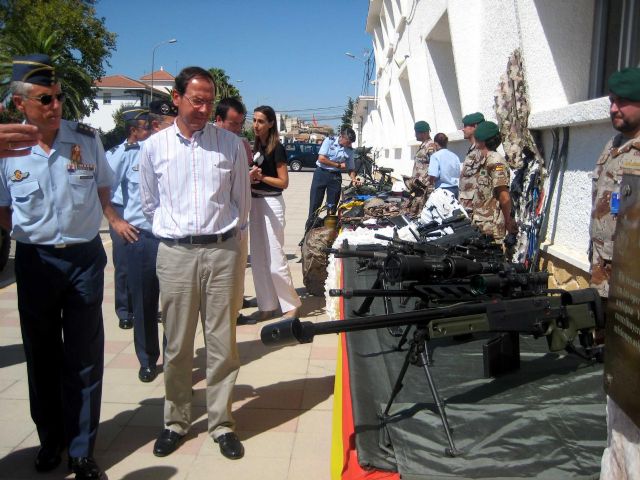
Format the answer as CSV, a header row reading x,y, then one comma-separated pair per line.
x,y
467,182
488,173
421,160
606,181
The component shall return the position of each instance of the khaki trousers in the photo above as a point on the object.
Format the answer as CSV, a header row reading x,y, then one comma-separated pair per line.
x,y
199,281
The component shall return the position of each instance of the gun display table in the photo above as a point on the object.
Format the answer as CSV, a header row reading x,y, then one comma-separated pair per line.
x,y
546,420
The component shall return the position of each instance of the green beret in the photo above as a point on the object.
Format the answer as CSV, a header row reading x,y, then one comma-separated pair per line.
x,y
626,84
422,127
472,119
486,130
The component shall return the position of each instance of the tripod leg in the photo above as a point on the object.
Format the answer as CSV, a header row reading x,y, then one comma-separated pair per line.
x,y
403,339
398,385
452,451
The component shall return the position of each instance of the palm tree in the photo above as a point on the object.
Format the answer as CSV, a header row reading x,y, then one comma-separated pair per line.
x,y
74,80
224,89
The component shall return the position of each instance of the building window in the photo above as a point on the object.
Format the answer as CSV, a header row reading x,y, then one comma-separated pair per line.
x,y
616,41
106,98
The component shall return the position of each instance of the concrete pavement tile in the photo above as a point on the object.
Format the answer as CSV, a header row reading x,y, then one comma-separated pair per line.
x,y
6,383
117,413
16,432
309,469
146,466
12,333
19,390
269,398
12,410
315,421
297,366
115,346
312,445
130,394
262,419
246,468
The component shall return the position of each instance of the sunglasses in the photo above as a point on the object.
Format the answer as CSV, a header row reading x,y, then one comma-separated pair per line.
x,y
47,99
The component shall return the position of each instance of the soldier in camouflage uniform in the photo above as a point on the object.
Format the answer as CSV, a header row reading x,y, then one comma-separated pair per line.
x,y
491,204
426,149
420,177
623,147
467,187
622,456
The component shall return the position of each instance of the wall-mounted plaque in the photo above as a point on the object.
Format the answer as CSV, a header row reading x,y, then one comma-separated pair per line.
x,y
622,351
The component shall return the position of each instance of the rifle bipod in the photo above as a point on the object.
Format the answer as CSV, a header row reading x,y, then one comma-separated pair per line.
x,y
418,354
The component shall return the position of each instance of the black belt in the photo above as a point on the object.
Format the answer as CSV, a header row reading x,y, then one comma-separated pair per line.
x,y
263,195
203,239
335,172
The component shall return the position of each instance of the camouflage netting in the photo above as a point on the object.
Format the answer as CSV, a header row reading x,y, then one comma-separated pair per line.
x,y
315,259
528,174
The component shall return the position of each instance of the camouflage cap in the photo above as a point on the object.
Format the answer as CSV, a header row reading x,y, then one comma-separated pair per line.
x,y
472,119
421,127
486,130
626,84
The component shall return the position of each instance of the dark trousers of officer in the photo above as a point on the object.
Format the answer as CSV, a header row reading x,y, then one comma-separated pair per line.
x,y
145,292
119,254
323,180
60,305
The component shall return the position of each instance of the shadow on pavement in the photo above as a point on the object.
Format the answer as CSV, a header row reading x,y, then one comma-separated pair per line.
x,y
11,355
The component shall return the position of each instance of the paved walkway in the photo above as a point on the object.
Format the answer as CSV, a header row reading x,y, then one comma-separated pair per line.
x,y
282,400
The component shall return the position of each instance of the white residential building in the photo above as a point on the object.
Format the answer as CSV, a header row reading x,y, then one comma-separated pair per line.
x,y
438,60
114,91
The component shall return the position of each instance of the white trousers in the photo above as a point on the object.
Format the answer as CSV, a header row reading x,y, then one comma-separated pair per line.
x,y
271,274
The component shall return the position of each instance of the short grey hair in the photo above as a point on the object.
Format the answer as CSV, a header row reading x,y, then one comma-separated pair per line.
x,y
21,88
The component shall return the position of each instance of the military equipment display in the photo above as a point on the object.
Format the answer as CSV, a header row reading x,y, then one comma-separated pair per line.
x,y
559,317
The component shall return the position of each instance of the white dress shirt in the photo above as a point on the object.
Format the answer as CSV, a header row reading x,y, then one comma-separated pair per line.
x,y
197,186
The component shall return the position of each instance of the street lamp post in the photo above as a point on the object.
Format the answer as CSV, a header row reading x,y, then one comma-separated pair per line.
x,y
366,60
153,61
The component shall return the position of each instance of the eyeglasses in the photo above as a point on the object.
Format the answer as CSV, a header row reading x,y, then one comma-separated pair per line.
x,y
199,103
47,99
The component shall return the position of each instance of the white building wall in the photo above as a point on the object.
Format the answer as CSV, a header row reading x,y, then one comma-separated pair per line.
x,y
438,60
102,118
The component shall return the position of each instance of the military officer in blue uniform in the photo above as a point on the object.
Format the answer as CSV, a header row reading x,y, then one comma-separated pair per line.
x,y
52,201
335,156
137,128
141,254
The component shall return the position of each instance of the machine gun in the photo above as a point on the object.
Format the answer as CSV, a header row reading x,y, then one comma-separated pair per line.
x,y
559,316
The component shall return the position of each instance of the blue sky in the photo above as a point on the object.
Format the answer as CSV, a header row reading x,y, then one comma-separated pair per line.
x,y
289,54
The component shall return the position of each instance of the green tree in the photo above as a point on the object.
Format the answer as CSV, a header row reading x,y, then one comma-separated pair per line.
x,y
66,30
118,134
348,115
224,89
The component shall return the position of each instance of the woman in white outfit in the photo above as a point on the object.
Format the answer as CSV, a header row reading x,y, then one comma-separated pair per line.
x,y
269,177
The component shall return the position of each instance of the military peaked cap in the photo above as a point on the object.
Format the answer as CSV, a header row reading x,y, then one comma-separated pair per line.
x,y
135,113
626,84
421,127
472,119
163,107
36,69
486,130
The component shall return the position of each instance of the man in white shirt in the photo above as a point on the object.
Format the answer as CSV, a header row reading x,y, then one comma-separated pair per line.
x,y
444,166
194,185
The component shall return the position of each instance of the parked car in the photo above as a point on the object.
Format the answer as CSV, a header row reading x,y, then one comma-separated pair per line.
x,y
301,155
